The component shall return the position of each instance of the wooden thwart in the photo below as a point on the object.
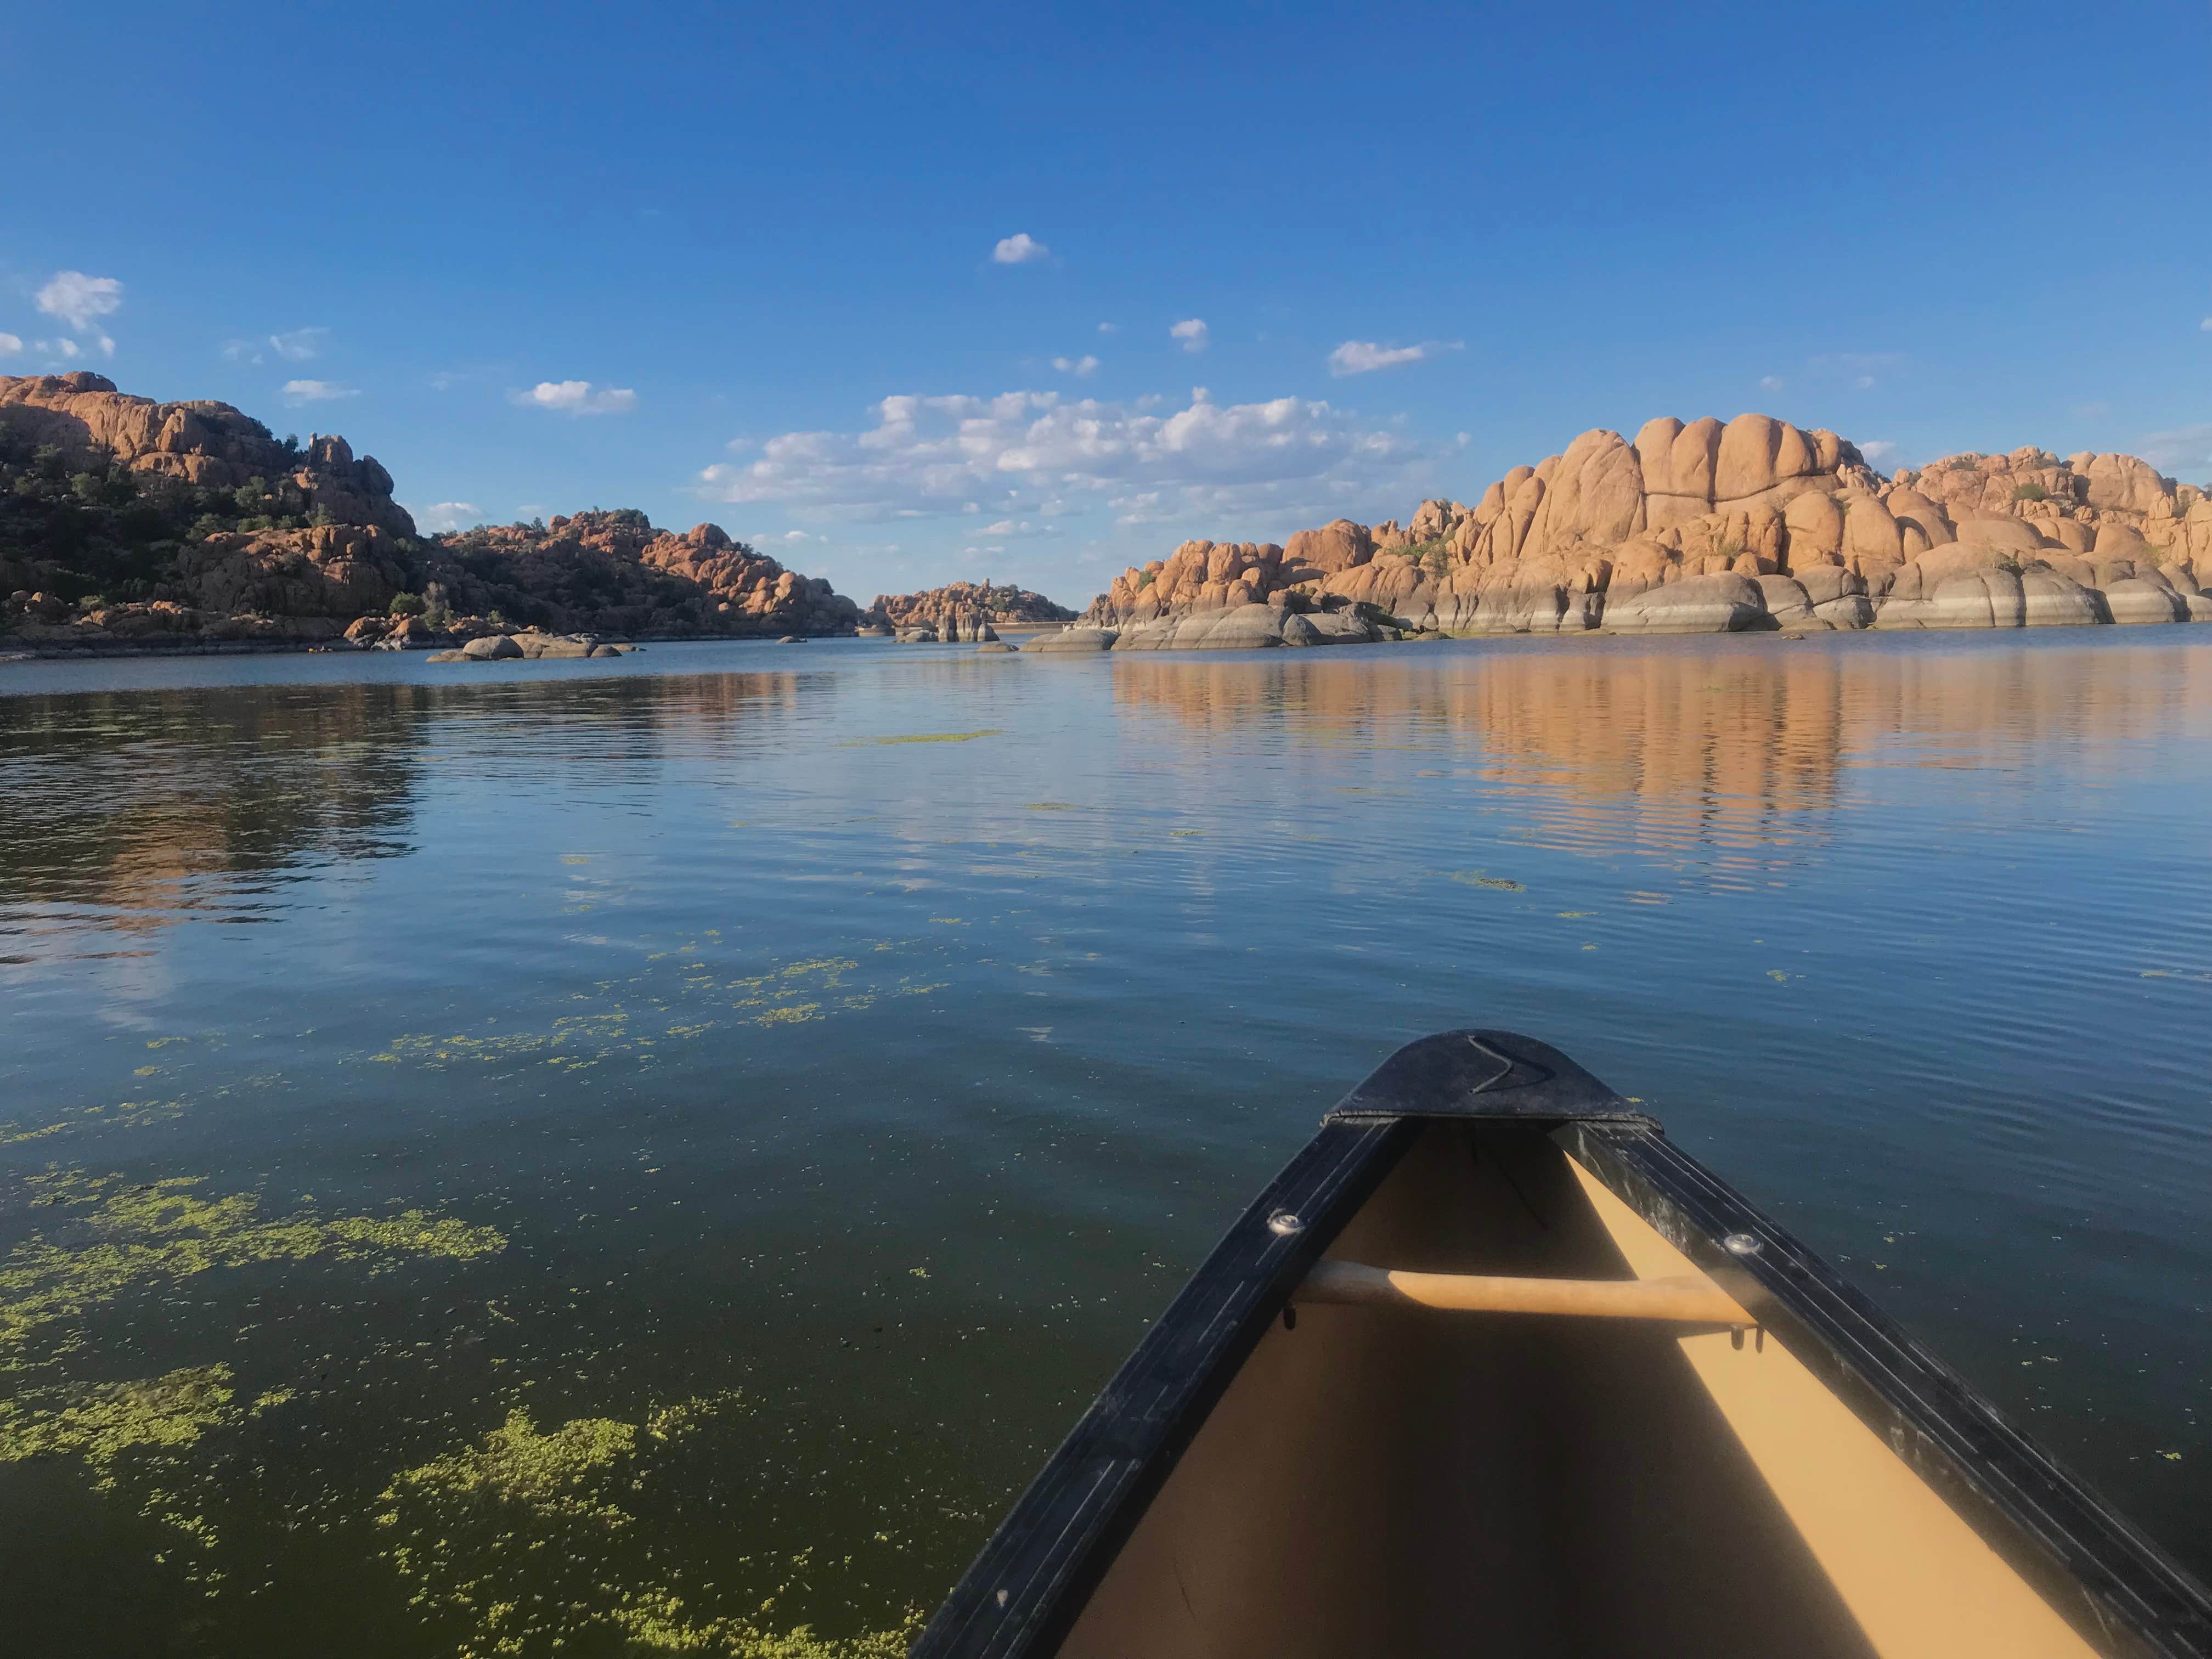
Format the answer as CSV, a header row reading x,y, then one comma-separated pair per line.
x,y
1692,1300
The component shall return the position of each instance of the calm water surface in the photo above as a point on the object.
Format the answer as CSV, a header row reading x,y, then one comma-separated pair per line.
x,y
657,1153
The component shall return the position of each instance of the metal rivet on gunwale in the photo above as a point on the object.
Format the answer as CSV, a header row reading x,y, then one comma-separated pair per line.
x,y
1284,1224
1741,1244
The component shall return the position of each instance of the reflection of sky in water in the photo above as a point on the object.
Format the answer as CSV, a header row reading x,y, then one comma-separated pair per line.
x,y
892,1086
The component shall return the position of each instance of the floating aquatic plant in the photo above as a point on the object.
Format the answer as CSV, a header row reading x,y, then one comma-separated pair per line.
x,y
925,736
506,1541
1476,879
153,1231
101,1423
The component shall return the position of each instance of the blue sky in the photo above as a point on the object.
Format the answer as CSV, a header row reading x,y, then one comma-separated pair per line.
x,y
894,291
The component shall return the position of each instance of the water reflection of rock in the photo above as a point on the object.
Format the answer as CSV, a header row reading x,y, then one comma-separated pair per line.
x,y
1728,736
150,805
143,804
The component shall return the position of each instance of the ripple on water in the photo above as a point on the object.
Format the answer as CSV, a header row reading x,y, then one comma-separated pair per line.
x,y
710,1126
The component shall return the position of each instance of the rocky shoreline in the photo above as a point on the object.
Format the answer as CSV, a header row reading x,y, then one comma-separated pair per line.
x,y
177,527
960,612
132,528
1703,528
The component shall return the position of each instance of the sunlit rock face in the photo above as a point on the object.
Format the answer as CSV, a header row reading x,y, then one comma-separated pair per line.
x,y
962,611
201,442
1599,535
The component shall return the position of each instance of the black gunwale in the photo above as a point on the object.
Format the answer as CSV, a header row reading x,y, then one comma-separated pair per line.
x,y
1031,1582
2123,1593
1024,1590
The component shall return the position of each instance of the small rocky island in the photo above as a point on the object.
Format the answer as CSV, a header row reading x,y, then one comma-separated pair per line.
x,y
961,611
1700,528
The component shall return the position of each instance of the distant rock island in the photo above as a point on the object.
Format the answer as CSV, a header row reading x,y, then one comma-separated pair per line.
x,y
962,611
126,522
1704,527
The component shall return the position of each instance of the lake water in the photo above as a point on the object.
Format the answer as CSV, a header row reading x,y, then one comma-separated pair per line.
x,y
660,1152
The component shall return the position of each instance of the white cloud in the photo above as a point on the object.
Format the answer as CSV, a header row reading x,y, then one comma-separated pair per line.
x,y
2205,327
80,301
2185,445
242,351
64,349
10,344
1366,356
577,397
442,516
297,392
1192,332
1864,369
1108,328
1771,383
1033,452
298,345
1081,367
1880,452
1019,249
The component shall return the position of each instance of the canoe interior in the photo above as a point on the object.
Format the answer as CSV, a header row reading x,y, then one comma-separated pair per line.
x,y
1378,1481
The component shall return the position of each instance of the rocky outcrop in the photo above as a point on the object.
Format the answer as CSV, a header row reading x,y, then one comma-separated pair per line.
x,y
207,445
533,647
128,522
962,611
957,628
1725,604
1248,627
338,571
750,592
1709,527
613,573
1083,642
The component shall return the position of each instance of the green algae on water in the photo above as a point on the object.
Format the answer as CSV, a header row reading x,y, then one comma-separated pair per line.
x,y
99,1424
548,1473
159,1230
506,1543
1498,884
125,1114
925,736
789,994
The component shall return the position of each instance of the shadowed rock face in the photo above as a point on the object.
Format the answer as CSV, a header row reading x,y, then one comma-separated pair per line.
x,y
1604,534
612,571
193,524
